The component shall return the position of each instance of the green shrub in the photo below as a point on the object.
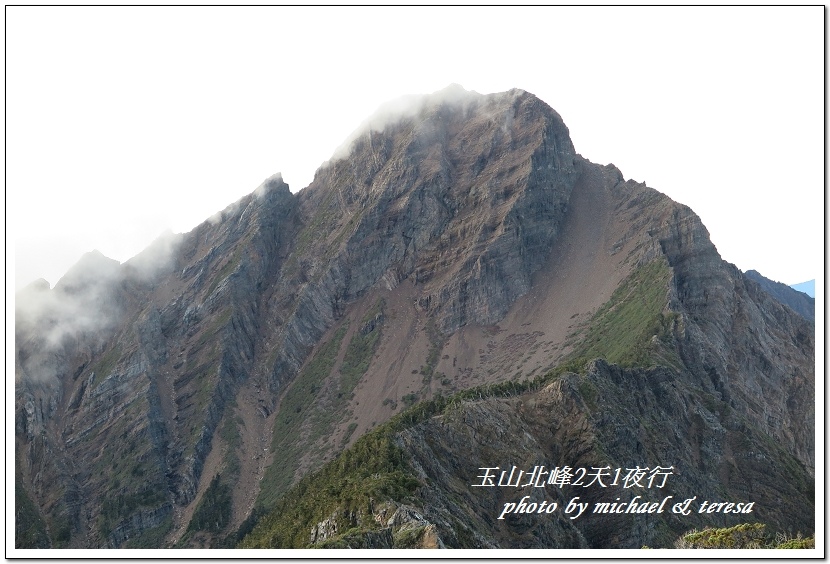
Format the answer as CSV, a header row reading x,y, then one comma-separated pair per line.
x,y
745,535
372,469
213,513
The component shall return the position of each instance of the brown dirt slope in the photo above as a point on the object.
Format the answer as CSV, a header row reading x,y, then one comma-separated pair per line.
x,y
586,263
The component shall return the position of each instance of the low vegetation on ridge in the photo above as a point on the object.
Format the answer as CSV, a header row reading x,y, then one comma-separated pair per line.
x,y
633,328
745,535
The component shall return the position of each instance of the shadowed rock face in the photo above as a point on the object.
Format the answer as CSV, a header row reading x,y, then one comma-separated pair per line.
x,y
463,244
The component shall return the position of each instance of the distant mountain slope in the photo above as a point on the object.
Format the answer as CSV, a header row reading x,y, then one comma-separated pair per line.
x,y
808,288
797,300
460,248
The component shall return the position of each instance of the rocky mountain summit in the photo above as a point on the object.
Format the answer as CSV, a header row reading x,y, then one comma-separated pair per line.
x,y
457,289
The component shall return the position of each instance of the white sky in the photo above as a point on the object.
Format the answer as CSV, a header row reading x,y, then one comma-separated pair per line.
x,y
124,122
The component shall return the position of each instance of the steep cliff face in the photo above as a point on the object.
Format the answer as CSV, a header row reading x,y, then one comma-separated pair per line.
x,y
172,400
753,351
462,200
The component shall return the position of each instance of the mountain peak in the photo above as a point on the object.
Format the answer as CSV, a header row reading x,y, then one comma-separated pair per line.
x,y
420,107
460,252
34,287
91,268
494,170
273,182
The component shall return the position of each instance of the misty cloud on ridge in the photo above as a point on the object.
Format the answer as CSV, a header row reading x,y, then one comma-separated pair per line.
x,y
84,306
156,258
401,108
